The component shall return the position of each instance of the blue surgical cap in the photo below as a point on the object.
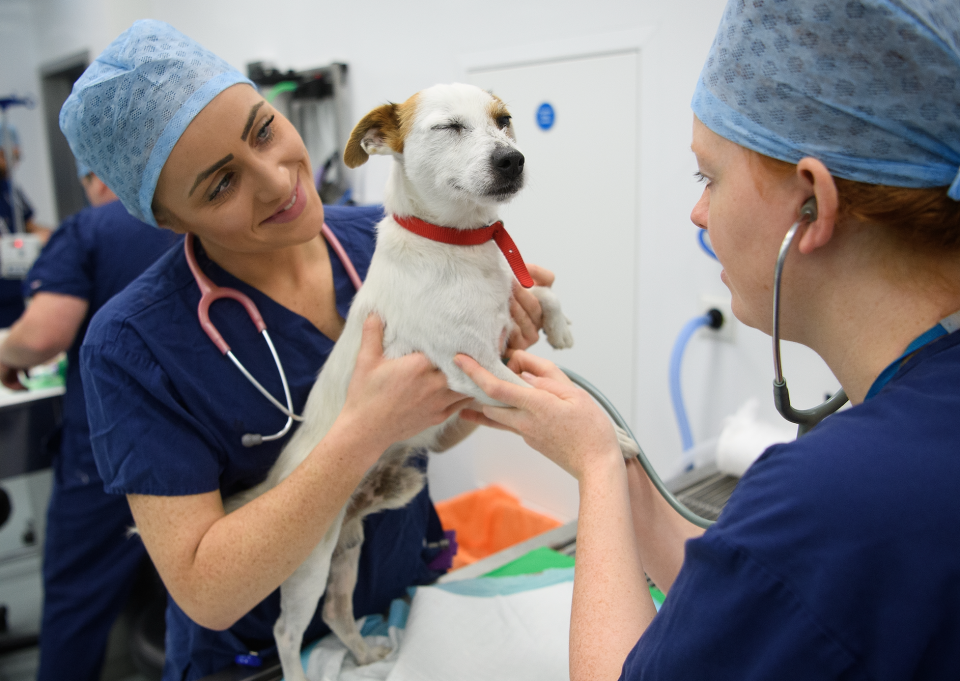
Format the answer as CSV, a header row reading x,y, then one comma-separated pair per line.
x,y
132,104
82,169
869,87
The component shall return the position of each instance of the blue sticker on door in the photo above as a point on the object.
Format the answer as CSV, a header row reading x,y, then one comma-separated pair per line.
x,y
546,116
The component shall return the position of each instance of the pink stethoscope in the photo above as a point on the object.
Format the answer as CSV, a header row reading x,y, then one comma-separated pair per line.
x,y
211,292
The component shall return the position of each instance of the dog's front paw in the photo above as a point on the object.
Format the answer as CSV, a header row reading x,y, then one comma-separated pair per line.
x,y
557,328
555,324
628,447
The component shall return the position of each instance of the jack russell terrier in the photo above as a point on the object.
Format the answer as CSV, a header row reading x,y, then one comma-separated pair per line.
x,y
440,279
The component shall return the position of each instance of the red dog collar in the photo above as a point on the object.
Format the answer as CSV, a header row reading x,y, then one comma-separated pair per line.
x,y
472,237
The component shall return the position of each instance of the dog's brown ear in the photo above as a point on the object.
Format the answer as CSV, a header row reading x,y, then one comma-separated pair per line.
x,y
377,133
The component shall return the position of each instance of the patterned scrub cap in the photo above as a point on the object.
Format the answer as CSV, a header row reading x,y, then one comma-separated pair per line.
x,y
82,169
869,87
132,104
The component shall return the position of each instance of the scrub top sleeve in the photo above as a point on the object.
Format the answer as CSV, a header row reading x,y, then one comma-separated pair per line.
x,y
65,265
143,439
727,617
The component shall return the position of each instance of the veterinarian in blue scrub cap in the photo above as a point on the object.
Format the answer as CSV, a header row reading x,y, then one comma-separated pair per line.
x,y
187,143
836,556
90,564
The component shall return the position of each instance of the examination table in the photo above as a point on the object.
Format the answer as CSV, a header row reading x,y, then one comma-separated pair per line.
x,y
705,491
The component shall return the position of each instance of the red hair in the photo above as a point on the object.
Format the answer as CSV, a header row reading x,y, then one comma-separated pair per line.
x,y
923,219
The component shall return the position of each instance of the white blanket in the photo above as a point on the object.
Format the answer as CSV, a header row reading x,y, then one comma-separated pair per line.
x,y
504,628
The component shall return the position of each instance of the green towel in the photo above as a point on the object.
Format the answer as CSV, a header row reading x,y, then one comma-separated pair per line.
x,y
545,558
531,563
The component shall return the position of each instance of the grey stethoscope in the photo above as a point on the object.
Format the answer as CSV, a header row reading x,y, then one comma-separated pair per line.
x,y
210,292
804,418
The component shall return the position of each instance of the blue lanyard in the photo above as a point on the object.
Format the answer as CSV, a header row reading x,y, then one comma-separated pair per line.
x,y
946,326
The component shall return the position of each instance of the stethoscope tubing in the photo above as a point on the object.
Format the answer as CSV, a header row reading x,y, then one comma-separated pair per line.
x,y
804,418
615,416
777,279
210,293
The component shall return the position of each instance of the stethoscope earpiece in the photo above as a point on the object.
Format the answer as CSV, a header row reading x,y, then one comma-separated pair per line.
x,y
808,211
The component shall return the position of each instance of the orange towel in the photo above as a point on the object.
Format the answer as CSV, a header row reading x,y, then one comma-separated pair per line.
x,y
488,520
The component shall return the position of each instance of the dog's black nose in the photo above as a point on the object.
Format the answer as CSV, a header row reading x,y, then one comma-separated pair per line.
x,y
507,162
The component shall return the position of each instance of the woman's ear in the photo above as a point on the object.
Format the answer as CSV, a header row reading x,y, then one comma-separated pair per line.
x,y
819,182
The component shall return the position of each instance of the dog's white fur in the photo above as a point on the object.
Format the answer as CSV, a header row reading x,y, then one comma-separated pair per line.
x,y
433,298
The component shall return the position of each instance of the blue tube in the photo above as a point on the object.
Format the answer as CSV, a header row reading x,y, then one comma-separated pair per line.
x,y
676,393
703,237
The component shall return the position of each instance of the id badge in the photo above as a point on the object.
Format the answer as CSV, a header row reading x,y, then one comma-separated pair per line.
x,y
17,253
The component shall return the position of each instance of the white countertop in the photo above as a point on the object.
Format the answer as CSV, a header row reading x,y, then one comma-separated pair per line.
x,y
11,397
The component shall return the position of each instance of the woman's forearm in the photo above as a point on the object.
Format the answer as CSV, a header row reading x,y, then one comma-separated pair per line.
x,y
218,566
611,603
661,532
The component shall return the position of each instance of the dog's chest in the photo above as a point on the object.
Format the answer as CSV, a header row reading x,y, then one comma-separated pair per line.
x,y
439,297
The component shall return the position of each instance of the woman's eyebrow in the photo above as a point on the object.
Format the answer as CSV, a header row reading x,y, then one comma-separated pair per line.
x,y
253,115
210,171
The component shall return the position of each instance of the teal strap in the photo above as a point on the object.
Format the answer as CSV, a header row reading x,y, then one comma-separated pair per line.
x,y
946,326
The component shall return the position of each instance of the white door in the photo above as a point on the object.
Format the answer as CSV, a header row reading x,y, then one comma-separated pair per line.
x,y
577,216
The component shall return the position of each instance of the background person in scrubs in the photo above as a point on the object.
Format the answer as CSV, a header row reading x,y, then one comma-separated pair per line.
x,y
90,563
208,155
836,556
11,299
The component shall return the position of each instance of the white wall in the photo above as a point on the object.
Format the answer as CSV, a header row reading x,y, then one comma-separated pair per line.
x,y
394,49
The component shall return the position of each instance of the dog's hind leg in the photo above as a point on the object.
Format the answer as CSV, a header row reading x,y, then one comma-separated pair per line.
x,y
338,602
299,596
391,484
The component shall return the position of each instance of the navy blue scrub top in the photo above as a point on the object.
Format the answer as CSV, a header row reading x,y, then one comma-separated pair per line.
x,y
11,298
92,255
837,556
167,412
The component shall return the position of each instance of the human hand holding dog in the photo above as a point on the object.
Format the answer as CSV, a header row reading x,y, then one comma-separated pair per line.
x,y
526,311
395,399
555,417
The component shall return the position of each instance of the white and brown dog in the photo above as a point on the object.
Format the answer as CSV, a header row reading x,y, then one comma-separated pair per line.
x,y
455,162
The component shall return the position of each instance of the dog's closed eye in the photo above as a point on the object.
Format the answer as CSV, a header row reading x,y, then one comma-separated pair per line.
x,y
455,126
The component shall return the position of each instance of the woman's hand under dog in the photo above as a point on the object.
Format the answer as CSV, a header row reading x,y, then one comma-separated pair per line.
x,y
526,312
395,399
555,417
